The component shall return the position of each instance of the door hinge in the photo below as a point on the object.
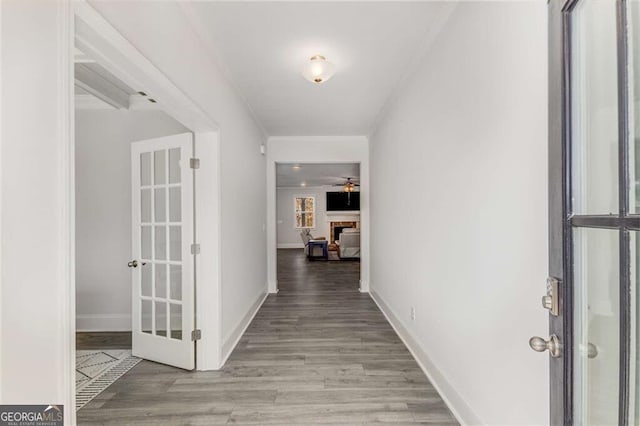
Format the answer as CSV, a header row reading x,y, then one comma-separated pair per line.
x,y
194,163
196,335
195,248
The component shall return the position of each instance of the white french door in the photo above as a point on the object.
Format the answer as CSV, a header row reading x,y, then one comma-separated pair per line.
x,y
162,234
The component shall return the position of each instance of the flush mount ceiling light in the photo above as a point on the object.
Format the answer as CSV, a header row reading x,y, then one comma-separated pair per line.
x,y
318,69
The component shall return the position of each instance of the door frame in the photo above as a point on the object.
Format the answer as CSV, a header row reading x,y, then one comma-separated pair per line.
x,y
562,221
319,150
99,39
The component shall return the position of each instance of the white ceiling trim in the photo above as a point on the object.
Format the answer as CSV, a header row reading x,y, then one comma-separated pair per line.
x,y
91,102
136,103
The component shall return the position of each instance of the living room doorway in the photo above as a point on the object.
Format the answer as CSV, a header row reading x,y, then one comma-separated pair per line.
x,y
318,224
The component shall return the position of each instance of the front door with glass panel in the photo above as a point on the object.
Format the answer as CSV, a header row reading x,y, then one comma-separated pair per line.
x,y
162,265
594,165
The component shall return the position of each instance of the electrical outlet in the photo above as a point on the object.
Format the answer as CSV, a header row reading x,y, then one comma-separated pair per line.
x,y
413,313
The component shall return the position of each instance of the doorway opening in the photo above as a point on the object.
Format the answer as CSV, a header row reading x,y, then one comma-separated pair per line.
x,y
318,226
135,165
122,205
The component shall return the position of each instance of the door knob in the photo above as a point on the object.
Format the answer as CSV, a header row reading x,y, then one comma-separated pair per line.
x,y
591,350
553,345
133,264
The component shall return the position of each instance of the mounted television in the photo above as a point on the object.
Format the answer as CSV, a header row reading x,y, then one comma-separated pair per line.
x,y
343,201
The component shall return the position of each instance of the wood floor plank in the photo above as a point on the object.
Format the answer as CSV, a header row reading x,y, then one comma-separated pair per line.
x,y
348,413
103,340
318,352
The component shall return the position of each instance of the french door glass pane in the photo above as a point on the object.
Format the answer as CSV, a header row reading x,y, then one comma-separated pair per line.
x,y
161,319
176,321
634,371
175,277
175,245
146,316
161,280
145,168
161,243
146,277
174,165
159,168
145,205
145,241
160,205
594,108
633,19
175,204
596,326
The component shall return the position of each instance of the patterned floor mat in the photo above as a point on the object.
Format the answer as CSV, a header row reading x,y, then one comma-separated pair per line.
x,y
97,369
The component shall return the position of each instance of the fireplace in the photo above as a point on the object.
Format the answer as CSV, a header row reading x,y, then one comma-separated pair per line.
x,y
337,227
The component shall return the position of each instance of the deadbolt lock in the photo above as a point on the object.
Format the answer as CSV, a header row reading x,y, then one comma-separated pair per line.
x,y
551,301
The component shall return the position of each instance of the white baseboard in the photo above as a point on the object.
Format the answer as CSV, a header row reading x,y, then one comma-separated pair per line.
x,y
231,342
290,245
103,322
458,406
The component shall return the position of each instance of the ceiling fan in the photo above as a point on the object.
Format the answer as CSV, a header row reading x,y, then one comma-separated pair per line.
x,y
349,185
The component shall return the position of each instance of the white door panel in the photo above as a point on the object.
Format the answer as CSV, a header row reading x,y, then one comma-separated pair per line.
x,y
162,233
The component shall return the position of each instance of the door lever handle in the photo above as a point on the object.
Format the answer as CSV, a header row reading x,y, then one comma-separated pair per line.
x,y
553,345
134,264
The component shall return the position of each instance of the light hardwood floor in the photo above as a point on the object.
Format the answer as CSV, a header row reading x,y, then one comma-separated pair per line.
x,y
317,352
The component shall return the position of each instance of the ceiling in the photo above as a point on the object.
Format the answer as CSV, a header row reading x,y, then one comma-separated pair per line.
x,y
294,175
262,46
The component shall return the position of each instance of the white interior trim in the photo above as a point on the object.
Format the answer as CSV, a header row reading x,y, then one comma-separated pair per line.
x,y
136,103
456,403
67,186
103,322
100,41
291,245
91,102
1,274
232,341
208,296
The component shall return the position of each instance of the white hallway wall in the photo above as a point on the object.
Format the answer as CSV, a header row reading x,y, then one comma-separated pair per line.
x,y
35,260
163,34
469,131
103,211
